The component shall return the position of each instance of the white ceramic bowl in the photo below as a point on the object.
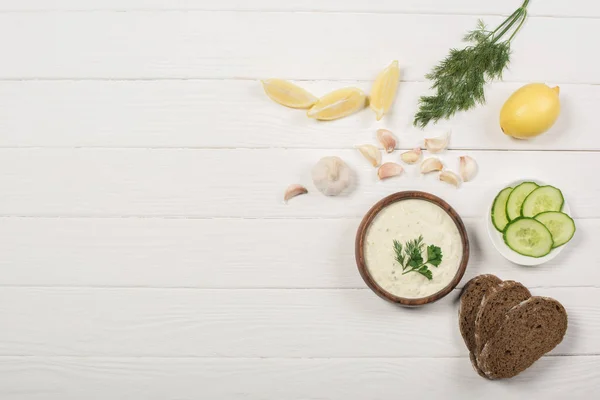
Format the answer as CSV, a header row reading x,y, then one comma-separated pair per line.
x,y
498,240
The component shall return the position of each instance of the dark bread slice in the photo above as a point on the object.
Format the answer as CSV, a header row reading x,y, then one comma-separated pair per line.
x,y
530,330
470,300
494,306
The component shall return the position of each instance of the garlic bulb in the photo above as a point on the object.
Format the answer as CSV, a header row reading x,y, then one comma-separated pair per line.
x,y
371,153
430,165
468,168
411,156
389,169
387,140
450,177
293,191
435,145
331,175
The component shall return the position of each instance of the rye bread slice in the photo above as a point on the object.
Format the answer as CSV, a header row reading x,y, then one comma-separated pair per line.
x,y
470,300
530,330
494,306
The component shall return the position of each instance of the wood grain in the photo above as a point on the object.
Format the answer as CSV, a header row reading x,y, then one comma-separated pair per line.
x,y
252,323
142,252
162,262
555,8
68,378
251,183
203,44
237,114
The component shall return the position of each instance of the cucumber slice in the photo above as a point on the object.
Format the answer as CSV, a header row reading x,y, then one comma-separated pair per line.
x,y
560,225
528,237
499,218
542,199
516,199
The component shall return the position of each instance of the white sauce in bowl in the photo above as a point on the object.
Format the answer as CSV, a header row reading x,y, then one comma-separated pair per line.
x,y
403,221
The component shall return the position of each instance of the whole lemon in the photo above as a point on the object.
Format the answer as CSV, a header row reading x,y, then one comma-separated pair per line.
x,y
530,111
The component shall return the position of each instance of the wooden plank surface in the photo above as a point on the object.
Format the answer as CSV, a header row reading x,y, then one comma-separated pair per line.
x,y
252,323
554,8
147,253
236,114
250,183
200,44
68,378
197,253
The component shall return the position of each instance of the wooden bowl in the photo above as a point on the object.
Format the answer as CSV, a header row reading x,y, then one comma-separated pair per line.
x,y
362,232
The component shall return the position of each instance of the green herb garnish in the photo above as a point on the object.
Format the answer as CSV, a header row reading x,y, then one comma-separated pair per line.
x,y
410,257
460,78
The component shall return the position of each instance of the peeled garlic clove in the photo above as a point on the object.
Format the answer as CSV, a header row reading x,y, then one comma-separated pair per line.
x,y
331,175
437,144
389,169
430,165
293,191
371,153
468,168
411,156
450,177
387,140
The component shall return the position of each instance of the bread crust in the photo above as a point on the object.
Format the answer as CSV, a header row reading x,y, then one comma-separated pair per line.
x,y
529,330
495,304
470,300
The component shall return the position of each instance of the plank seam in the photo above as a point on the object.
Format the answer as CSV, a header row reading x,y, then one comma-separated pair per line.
x,y
83,356
104,147
233,78
282,11
216,218
266,289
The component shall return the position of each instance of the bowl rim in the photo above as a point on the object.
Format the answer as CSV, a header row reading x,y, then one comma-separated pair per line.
x,y
362,232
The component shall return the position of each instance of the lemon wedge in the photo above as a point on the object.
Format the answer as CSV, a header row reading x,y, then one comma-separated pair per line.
x,y
338,104
288,94
384,89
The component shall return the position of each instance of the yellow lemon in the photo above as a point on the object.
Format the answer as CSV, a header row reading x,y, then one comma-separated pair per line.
x,y
384,90
530,111
338,104
288,94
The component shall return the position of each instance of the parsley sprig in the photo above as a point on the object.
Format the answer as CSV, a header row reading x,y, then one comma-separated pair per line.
x,y
410,257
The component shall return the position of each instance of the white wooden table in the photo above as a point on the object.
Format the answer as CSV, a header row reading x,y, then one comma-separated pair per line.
x,y
146,251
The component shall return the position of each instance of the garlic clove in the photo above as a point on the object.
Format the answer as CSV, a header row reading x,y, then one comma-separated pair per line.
x,y
468,168
389,169
411,156
437,144
331,175
450,177
431,164
371,153
293,191
387,140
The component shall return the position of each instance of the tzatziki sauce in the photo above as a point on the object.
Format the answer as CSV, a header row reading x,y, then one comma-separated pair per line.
x,y
405,220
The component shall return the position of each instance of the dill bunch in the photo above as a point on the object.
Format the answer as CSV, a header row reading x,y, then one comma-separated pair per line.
x,y
459,80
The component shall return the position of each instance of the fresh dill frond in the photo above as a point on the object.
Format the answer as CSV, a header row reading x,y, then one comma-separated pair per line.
x,y
459,80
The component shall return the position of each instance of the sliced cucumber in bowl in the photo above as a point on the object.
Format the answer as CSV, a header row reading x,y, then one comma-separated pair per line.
x,y
529,237
499,218
542,199
516,198
561,226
